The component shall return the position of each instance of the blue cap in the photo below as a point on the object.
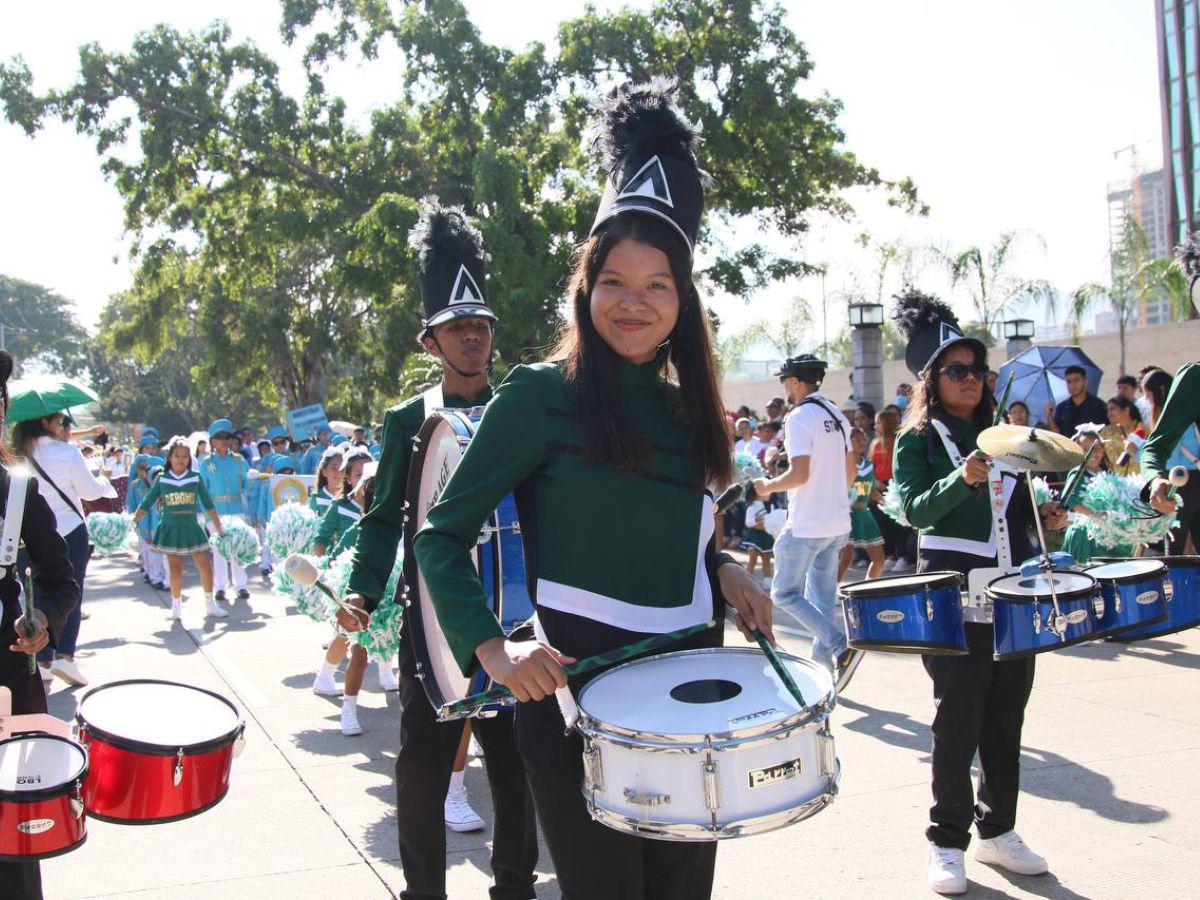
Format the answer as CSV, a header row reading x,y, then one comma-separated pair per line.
x,y
323,428
150,429
276,431
338,439
281,461
148,440
219,427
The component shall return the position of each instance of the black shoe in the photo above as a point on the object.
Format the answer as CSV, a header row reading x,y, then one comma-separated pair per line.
x,y
243,594
219,596
846,663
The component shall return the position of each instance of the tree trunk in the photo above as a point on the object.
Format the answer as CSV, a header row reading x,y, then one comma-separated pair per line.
x,y
1121,339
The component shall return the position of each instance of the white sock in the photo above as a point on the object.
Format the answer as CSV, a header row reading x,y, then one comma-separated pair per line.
x,y
349,701
177,598
208,598
327,670
456,782
385,670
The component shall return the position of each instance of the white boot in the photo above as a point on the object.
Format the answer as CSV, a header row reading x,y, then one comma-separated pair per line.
x,y
947,872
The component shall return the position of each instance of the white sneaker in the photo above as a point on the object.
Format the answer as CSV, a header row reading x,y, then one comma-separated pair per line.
x,y
212,609
473,748
68,672
350,726
177,609
387,679
459,815
326,687
1009,852
947,872
889,564
47,675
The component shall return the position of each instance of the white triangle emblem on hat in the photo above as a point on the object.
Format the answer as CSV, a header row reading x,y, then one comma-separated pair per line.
x,y
465,289
649,181
948,332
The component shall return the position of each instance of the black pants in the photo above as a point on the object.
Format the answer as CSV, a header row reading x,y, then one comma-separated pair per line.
x,y
980,706
423,766
1189,516
20,880
593,861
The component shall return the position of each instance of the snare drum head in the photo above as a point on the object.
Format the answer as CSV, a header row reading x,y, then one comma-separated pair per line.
x,y
1029,587
35,762
701,692
900,584
1126,568
159,713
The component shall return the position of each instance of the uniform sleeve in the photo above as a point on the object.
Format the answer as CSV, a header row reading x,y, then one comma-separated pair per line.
x,y
57,590
506,449
86,485
151,495
1180,412
327,533
131,500
382,527
925,500
204,496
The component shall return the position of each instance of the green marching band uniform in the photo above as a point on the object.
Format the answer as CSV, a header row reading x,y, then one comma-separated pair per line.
x,y
179,533
612,556
320,501
980,702
864,530
448,245
1076,540
340,515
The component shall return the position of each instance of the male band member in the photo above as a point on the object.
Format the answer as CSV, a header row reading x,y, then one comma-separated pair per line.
x,y
457,332
224,473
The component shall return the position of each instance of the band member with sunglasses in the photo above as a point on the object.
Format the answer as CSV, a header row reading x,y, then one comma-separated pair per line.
x,y
974,518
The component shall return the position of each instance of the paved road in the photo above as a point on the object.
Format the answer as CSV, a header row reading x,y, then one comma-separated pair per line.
x,y
1110,775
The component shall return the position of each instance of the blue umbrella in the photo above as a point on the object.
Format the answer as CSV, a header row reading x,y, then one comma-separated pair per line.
x,y
1040,376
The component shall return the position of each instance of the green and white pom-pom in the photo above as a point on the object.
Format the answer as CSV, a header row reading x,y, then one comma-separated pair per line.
x,y
291,529
238,542
396,578
1042,491
381,637
1117,520
283,583
109,531
892,506
336,571
747,467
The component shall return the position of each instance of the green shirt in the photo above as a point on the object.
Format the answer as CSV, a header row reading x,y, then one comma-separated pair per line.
x,y
382,528
340,515
182,496
1179,413
609,554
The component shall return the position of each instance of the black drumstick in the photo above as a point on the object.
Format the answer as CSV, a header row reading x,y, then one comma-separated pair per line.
x,y
728,498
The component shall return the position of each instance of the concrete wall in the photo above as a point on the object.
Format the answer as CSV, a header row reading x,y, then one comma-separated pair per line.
x,y
1169,346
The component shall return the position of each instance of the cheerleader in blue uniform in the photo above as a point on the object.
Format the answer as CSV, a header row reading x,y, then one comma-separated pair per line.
x,y
150,559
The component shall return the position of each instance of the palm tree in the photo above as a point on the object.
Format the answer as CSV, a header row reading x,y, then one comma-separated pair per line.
x,y
992,287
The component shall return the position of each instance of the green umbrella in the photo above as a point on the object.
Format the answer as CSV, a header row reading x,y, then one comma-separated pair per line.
x,y
32,398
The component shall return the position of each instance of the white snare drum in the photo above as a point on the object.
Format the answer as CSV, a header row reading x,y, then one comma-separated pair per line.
x,y
700,745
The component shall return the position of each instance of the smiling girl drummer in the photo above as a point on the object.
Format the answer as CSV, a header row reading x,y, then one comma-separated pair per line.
x,y
610,450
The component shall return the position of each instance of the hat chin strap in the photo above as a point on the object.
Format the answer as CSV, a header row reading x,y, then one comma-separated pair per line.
x,y
457,371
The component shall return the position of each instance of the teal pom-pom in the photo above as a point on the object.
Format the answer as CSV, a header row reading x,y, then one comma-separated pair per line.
x,y
238,542
109,531
1117,515
747,467
291,529
381,637
892,507
1042,491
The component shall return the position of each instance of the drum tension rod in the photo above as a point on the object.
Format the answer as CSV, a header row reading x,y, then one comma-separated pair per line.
x,y
1058,622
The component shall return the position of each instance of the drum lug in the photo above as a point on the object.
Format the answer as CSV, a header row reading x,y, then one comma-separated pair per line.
x,y
852,615
828,752
1037,620
1098,605
1168,587
928,604
593,769
1116,601
642,798
712,799
177,775
77,801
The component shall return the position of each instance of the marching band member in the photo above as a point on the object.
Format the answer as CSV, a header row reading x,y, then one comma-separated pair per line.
x,y
458,333
974,518
225,474
57,595
178,534
625,429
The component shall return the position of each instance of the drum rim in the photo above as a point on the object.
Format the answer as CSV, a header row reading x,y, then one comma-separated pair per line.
x,y
1126,579
50,854
1124,636
160,820
854,589
1187,561
1064,596
49,792
815,712
136,746
1048,648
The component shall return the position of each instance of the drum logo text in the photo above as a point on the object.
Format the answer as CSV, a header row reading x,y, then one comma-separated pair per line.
x,y
1076,616
754,715
29,779
890,616
1146,597
773,774
35,826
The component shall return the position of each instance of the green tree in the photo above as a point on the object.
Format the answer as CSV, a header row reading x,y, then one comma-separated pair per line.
x,y
39,328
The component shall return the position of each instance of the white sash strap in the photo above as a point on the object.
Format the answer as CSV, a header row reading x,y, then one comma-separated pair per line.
x,y
14,517
432,399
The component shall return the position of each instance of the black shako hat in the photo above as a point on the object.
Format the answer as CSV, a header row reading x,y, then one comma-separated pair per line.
x,y
1187,255
930,327
6,367
647,151
451,263
806,367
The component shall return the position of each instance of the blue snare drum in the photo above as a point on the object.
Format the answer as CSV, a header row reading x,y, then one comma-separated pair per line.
x,y
1134,594
1183,600
1024,617
906,614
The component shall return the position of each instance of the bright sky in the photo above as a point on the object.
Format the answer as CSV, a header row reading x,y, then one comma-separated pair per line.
x,y
1007,115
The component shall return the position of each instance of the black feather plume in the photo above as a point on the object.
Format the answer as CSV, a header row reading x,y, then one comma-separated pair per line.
x,y
915,308
642,119
444,236
1188,256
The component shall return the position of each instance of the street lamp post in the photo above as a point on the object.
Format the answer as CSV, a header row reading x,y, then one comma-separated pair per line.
x,y
866,351
1018,336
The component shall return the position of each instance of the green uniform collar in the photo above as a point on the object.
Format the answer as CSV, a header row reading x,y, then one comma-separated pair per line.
x,y
637,375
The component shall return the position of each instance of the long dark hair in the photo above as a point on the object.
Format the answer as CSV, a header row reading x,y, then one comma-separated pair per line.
x,y
926,402
688,355
1156,384
1129,406
25,433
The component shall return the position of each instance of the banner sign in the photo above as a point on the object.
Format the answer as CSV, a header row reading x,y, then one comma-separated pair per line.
x,y
291,488
302,422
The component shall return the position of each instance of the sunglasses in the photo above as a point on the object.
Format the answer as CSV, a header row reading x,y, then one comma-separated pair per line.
x,y
961,371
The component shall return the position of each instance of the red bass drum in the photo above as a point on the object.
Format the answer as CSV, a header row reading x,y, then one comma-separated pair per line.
x,y
41,807
159,751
